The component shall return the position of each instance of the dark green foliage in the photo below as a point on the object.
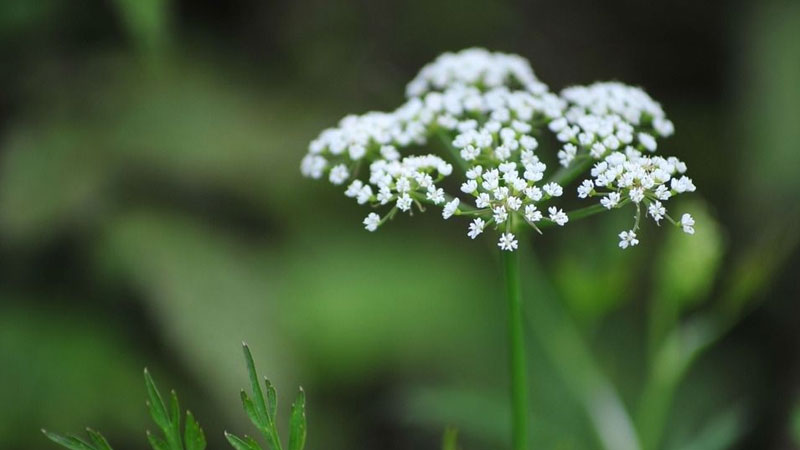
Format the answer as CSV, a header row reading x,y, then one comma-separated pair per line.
x,y
167,417
262,410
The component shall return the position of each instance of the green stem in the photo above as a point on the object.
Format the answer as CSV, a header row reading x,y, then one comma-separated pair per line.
x,y
519,395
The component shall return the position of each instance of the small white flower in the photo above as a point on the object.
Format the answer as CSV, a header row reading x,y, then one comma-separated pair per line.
x,y
435,195
533,193
611,142
507,167
598,150
404,202
385,195
469,153
627,239
558,125
647,141
532,214
483,200
338,174
390,153
663,193
357,151
450,208
354,188
567,154
372,221
402,184
636,194
687,222
476,228
507,242
474,172
553,189
513,203
558,216
502,152
528,142
469,186
364,195
656,211
500,214
683,184
585,189
611,200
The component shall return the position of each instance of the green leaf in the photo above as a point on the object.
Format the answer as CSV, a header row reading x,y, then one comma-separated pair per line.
x,y
297,424
175,421
272,400
194,439
100,442
158,411
70,442
156,442
242,444
250,409
258,396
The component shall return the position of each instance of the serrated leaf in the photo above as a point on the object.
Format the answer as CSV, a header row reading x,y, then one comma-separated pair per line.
x,y
258,395
100,442
241,444
156,442
272,399
174,409
158,411
174,436
70,442
250,409
194,438
297,423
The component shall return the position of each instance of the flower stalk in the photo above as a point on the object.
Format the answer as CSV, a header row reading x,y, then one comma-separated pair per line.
x,y
518,370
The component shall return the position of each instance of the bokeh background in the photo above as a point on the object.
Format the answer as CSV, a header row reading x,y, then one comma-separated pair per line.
x,y
152,214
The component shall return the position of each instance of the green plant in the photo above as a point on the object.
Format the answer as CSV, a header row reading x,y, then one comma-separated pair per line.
x,y
261,410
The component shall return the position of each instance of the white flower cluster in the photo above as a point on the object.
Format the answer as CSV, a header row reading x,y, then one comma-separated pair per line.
x,y
487,110
475,67
604,117
646,181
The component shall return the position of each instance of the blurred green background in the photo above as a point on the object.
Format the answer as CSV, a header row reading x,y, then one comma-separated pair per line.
x,y
152,214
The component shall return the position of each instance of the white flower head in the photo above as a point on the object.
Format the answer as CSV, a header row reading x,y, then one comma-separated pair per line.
x,y
687,223
488,106
507,242
476,228
372,221
450,208
627,239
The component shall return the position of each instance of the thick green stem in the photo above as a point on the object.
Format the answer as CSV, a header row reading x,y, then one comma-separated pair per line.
x,y
519,391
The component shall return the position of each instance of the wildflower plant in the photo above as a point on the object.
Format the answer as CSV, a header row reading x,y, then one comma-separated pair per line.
x,y
491,119
261,407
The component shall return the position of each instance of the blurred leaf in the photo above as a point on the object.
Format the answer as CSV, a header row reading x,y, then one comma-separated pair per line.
x,y
70,442
592,276
684,271
561,340
146,21
56,356
450,439
770,109
686,266
719,432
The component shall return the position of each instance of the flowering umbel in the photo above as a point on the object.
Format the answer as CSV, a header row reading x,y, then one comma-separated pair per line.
x,y
489,111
